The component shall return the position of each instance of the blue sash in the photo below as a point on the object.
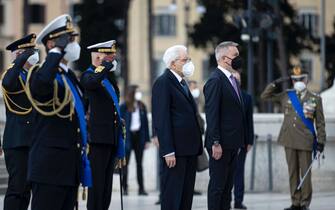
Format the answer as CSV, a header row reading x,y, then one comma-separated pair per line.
x,y
23,75
308,122
85,173
120,153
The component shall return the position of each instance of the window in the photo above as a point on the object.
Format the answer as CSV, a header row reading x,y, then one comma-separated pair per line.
x,y
37,13
309,19
307,65
2,14
165,25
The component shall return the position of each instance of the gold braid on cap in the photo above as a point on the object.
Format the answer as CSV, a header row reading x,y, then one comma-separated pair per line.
x,y
69,28
108,50
30,44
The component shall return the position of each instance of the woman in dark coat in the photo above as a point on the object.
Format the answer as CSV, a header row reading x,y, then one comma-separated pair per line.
x,y
134,112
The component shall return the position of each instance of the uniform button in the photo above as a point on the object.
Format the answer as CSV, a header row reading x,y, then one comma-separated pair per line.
x,y
115,121
78,145
28,122
293,124
78,130
115,113
295,118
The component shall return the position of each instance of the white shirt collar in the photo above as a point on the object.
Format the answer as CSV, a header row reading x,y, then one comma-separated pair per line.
x,y
64,67
225,71
179,78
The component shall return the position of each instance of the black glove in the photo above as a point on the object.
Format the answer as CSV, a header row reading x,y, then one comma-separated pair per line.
x,y
281,80
62,41
320,147
107,64
23,57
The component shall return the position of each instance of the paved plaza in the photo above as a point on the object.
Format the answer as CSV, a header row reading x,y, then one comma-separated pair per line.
x,y
254,201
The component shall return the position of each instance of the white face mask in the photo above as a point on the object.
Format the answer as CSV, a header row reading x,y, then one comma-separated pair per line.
x,y
114,65
138,96
34,58
188,69
299,86
72,52
195,93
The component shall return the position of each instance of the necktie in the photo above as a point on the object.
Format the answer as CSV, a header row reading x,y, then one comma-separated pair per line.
x,y
184,85
234,83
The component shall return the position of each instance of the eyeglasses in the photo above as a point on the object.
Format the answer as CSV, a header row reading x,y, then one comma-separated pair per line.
x,y
184,60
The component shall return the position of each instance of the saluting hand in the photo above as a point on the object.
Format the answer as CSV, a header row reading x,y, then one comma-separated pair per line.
x,y
217,151
170,161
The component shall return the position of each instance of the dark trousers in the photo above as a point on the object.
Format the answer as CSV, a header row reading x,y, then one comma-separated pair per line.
x,y
177,184
138,149
18,192
102,160
239,176
221,180
53,197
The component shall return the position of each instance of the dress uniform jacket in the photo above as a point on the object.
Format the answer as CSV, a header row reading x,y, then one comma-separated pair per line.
x,y
103,114
55,154
18,129
293,133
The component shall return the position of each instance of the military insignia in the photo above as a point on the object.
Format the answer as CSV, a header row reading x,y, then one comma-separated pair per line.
x,y
99,69
69,24
309,108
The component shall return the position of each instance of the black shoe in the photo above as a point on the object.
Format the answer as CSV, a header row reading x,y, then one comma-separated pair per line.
x,y
293,208
239,206
196,192
158,202
304,208
142,192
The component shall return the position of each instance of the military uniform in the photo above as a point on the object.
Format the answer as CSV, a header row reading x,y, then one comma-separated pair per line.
x,y
18,131
54,160
297,139
104,128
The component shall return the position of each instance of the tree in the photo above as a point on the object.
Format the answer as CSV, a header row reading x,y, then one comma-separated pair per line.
x,y
102,20
284,28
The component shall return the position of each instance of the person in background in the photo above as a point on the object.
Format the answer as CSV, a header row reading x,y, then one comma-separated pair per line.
x,y
134,112
195,91
249,132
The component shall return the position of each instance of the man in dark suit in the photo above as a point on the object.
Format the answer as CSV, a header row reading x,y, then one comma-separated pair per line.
x,y
239,173
225,118
175,122
53,90
19,122
104,123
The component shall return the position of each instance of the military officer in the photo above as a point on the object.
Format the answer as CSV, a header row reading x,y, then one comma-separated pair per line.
x,y
19,122
54,91
302,109
103,95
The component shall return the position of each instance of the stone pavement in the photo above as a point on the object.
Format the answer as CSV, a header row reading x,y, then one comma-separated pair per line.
x,y
254,201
